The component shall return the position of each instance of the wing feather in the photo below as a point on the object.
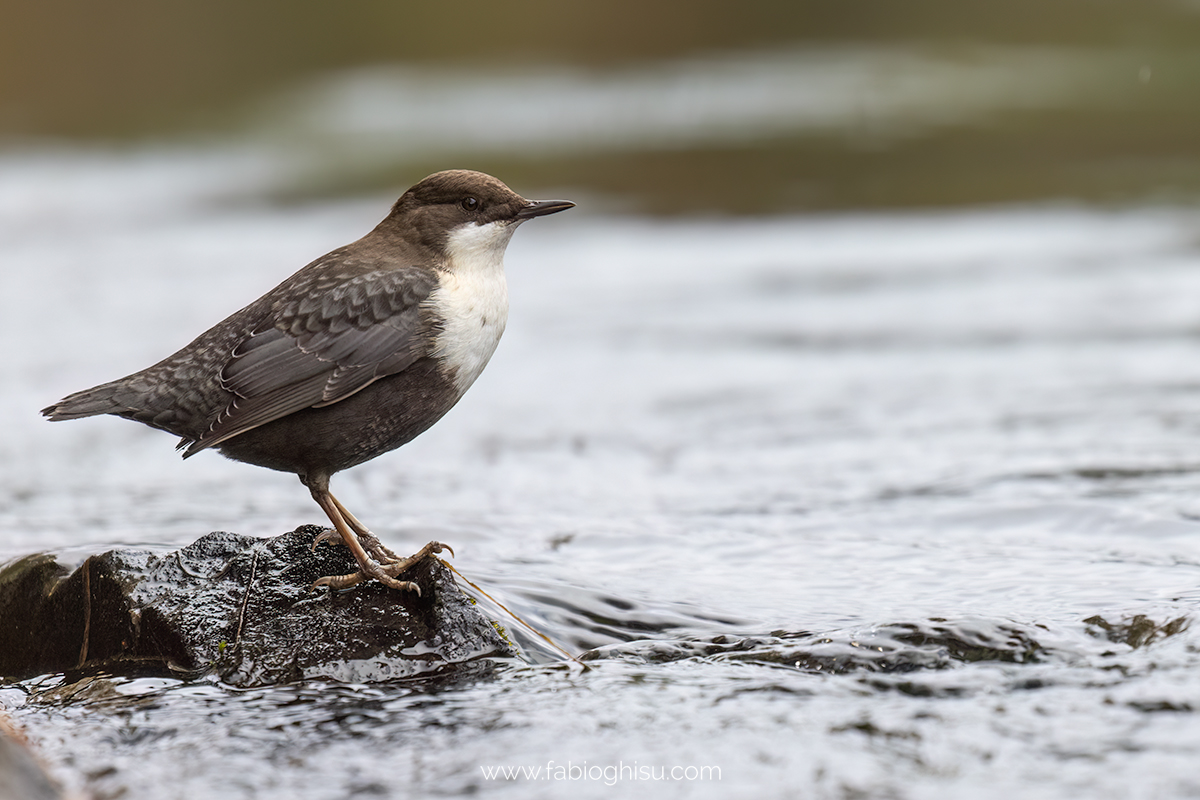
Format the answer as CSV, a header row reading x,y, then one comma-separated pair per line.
x,y
318,351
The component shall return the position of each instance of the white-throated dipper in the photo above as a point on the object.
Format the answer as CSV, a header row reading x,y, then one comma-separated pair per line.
x,y
354,355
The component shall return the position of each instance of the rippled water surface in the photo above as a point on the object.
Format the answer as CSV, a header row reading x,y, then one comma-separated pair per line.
x,y
839,506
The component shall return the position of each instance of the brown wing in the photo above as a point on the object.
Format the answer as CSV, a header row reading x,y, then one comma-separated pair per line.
x,y
337,338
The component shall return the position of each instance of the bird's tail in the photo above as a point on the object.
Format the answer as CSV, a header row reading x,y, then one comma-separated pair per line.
x,y
88,403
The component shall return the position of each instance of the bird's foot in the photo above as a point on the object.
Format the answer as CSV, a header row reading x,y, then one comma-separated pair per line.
x,y
385,572
399,565
375,548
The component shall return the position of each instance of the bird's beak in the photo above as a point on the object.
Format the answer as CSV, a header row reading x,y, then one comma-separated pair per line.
x,y
544,207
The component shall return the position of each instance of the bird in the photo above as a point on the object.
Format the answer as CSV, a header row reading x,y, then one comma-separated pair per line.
x,y
354,355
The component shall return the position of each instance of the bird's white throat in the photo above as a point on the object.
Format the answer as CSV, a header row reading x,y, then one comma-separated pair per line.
x,y
471,299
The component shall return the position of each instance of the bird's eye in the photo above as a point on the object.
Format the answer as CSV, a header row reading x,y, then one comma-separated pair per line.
x,y
470,203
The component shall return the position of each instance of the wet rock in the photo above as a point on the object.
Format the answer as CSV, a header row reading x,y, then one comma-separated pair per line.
x,y
896,648
238,606
1139,631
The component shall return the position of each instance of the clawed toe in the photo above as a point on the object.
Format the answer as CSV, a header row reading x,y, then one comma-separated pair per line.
x,y
329,535
339,582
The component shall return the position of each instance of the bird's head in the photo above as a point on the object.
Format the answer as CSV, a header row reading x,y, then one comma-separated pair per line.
x,y
463,210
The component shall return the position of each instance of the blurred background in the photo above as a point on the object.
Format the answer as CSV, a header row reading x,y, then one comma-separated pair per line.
x,y
759,107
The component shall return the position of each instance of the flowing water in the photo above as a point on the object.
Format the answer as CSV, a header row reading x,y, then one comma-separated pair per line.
x,y
893,505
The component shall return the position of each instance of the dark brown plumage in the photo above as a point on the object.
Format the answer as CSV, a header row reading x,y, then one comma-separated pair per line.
x,y
354,355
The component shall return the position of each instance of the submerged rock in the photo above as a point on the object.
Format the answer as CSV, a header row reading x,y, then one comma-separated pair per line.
x,y
238,606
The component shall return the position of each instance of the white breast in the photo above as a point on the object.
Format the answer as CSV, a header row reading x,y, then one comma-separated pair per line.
x,y
471,300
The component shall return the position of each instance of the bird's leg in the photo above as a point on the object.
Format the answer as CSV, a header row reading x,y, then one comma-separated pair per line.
x,y
367,566
369,541
375,548
318,485
374,559
392,563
